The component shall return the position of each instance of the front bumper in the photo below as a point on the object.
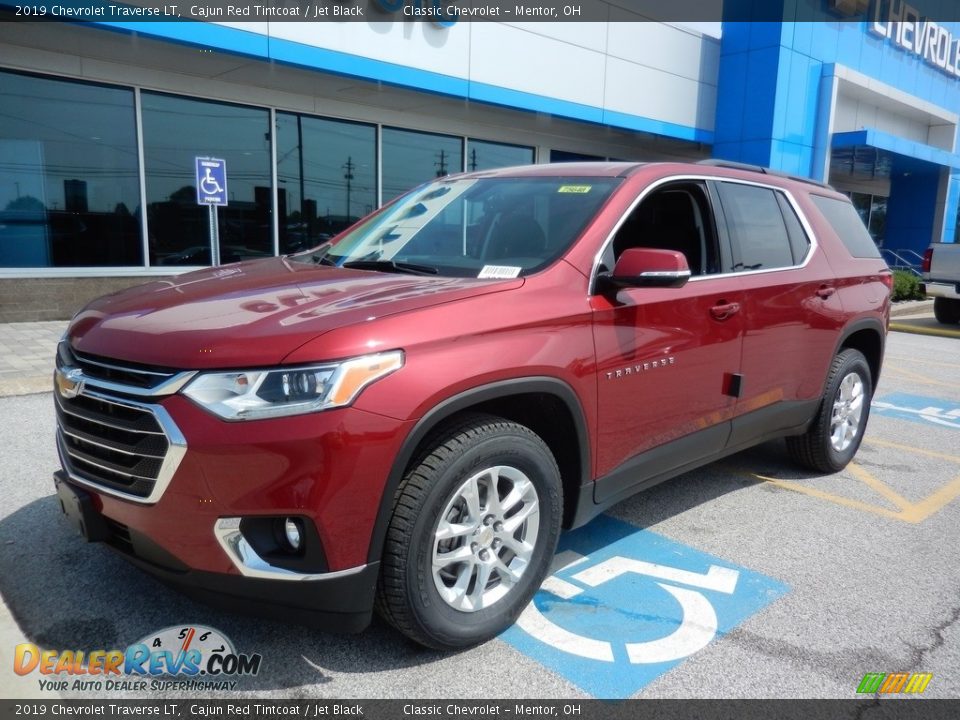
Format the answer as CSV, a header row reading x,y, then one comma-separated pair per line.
x,y
337,600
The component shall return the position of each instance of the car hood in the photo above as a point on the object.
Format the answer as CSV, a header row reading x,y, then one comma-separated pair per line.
x,y
252,314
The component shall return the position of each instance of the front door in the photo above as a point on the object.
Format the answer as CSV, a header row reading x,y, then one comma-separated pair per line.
x,y
666,357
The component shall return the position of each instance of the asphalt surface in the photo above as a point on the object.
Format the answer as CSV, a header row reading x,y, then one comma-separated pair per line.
x,y
869,559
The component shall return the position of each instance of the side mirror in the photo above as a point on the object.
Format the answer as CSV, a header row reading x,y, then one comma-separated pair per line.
x,y
646,267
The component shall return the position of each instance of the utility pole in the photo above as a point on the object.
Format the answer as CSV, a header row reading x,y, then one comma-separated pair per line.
x,y
473,160
348,176
442,165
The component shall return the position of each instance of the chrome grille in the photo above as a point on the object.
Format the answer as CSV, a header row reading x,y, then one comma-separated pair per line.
x,y
108,440
128,378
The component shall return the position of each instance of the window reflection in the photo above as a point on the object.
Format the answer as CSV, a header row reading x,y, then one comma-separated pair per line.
x,y
411,158
175,132
873,211
483,155
69,192
326,171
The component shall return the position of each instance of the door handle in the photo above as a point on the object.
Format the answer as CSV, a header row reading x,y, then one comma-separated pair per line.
x,y
825,291
722,310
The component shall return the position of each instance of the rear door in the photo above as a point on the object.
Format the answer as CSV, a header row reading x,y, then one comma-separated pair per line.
x,y
792,310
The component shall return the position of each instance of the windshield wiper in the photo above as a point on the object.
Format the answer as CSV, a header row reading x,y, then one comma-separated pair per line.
x,y
320,255
391,266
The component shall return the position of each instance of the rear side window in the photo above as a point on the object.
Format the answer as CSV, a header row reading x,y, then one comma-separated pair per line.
x,y
848,226
799,242
755,222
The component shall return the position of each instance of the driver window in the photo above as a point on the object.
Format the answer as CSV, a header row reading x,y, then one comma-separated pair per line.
x,y
675,217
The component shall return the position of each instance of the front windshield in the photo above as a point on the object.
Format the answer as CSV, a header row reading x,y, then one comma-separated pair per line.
x,y
492,227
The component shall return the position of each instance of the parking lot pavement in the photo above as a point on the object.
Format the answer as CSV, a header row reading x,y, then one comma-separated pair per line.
x,y
747,578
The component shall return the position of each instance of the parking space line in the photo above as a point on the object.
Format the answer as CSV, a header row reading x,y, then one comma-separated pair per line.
x,y
918,451
878,487
918,378
908,511
830,497
913,360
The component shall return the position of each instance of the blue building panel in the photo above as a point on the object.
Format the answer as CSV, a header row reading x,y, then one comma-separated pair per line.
x,y
766,34
951,229
791,69
802,37
800,108
761,81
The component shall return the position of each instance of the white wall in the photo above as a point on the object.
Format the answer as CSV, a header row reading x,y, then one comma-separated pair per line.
x,y
644,69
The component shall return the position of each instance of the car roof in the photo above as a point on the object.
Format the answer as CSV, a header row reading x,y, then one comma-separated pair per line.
x,y
716,168
566,169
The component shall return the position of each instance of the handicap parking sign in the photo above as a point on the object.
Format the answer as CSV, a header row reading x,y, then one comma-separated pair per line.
x,y
211,181
625,605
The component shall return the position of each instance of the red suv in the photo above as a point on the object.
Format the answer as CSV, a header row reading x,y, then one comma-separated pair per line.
x,y
405,417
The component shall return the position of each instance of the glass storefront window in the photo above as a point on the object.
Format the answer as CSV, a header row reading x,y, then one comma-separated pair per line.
x,y
562,156
69,188
878,219
483,155
410,158
861,201
177,130
326,171
872,209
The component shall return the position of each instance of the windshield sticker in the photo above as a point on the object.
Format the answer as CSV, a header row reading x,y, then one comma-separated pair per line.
x,y
499,271
579,189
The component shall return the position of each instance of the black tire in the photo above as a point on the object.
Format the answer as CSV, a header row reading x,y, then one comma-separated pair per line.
x,y
815,449
407,594
946,310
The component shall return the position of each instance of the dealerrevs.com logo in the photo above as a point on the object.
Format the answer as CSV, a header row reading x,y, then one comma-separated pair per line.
x,y
180,657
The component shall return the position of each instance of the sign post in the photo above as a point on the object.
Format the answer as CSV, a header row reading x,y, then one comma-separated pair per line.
x,y
212,191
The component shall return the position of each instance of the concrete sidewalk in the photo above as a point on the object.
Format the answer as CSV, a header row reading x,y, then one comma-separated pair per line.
x,y
26,356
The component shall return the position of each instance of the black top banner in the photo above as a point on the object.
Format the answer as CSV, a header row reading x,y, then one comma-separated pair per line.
x,y
450,12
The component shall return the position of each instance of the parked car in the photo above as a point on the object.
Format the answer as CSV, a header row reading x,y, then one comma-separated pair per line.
x,y
407,416
941,281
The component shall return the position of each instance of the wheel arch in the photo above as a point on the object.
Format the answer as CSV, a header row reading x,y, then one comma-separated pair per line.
x,y
868,336
546,405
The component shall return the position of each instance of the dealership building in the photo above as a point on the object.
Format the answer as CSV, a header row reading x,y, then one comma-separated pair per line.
x,y
318,123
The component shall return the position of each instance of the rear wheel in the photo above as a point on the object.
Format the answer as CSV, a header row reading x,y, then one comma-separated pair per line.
x,y
946,310
474,528
837,430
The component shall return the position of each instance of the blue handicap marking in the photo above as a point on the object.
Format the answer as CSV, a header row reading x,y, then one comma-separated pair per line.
x,y
917,408
625,605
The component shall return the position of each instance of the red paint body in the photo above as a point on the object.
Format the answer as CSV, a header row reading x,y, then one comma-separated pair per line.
x,y
456,334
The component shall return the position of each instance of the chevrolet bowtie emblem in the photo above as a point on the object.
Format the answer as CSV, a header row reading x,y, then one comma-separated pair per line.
x,y
70,383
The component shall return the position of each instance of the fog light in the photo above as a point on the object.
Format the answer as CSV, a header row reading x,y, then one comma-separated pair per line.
x,y
291,529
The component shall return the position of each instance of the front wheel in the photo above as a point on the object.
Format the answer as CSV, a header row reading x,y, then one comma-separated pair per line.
x,y
474,528
837,430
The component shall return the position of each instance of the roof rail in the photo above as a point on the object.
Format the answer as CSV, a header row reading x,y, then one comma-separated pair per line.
x,y
716,162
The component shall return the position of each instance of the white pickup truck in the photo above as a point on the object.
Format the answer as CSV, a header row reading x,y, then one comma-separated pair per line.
x,y
941,280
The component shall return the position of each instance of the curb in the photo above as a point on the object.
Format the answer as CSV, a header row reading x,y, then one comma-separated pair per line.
x,y
920,330
26,385
911,307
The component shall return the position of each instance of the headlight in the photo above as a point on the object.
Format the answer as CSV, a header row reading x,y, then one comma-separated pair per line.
x,y
254,394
